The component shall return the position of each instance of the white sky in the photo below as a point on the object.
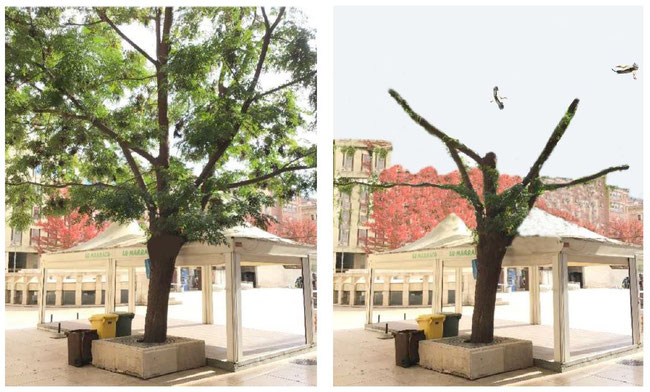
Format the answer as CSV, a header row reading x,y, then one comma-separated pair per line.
x,y
445,61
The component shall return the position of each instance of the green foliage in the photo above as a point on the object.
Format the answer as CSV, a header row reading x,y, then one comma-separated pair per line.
x,y
81,101
348,150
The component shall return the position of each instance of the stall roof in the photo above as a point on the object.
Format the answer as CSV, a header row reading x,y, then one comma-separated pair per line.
x,y
452,232
541,237
127,235
126,244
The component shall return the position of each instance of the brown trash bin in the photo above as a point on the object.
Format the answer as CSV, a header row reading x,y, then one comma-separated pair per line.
x,y
406,347
79,346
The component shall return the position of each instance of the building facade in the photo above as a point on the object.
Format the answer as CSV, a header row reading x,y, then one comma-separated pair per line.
x,y
356,159
20,252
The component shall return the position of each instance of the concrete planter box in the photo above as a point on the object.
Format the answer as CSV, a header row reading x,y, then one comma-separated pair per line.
x,y
472,361
126,355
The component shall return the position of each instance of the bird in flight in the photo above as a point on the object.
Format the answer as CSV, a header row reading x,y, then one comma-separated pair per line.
x,y
623,69
497,98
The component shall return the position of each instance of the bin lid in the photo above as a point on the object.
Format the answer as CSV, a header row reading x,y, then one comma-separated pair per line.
x,y
452,314
103,316
426,317
125,314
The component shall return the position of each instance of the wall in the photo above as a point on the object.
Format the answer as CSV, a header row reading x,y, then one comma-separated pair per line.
x,y
603,277
276,276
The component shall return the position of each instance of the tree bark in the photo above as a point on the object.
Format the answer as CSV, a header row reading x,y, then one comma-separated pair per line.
x,y
163,249
490,250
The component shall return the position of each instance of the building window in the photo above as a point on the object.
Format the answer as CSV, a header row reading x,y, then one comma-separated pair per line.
x,y
16,237
366,163
34,236
362,237
380,164
363,214
50,298
344,236
32,297
336,296
36,213
415,297
359,297
378,298
348,161
88,297
345,298
395,298
68,297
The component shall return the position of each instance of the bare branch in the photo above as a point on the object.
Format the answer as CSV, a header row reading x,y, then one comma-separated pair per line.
x,y
467,182
551,143
102,15
449,142
582,180
386,185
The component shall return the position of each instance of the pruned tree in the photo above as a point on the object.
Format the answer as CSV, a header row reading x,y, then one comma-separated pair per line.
x,y
188,117
498,215
401,215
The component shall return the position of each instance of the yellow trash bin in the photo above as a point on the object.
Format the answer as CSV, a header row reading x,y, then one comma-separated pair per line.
x,y
432,325
104,324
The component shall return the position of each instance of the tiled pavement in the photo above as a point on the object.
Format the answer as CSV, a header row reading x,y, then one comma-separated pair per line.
x,y
375,365
33,358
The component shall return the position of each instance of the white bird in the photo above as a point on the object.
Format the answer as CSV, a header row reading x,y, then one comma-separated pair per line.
x,y
497,98
623,69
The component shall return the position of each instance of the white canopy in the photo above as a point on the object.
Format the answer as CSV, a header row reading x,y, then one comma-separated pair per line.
x,y
126,244
541,237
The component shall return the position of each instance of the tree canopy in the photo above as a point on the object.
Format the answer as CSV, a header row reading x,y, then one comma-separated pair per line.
x,y
191,117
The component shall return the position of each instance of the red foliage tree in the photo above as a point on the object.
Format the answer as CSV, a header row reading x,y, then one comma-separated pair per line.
x,y
299,230
65,232
630,230
404,214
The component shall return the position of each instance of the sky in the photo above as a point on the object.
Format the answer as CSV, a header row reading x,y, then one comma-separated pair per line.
x,y
445,62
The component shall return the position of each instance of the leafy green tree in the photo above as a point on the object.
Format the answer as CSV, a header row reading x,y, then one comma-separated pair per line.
x,y
498,214
193,134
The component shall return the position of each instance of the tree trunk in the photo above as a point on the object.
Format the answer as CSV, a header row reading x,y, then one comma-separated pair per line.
x,y
491,249
163,249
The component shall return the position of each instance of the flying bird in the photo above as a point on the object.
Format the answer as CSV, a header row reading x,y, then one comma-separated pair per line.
x,y
623,69
497,98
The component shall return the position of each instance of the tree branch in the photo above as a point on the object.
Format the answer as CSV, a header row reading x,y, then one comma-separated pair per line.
x,y
102,127
102,15
62,185
386,185
221,148
151,205
267,176
282,86
473,196
449,142
551,143
582,180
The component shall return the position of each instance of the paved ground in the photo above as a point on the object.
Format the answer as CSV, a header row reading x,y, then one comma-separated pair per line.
x,y
33,358
375,366
362,359
272,318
